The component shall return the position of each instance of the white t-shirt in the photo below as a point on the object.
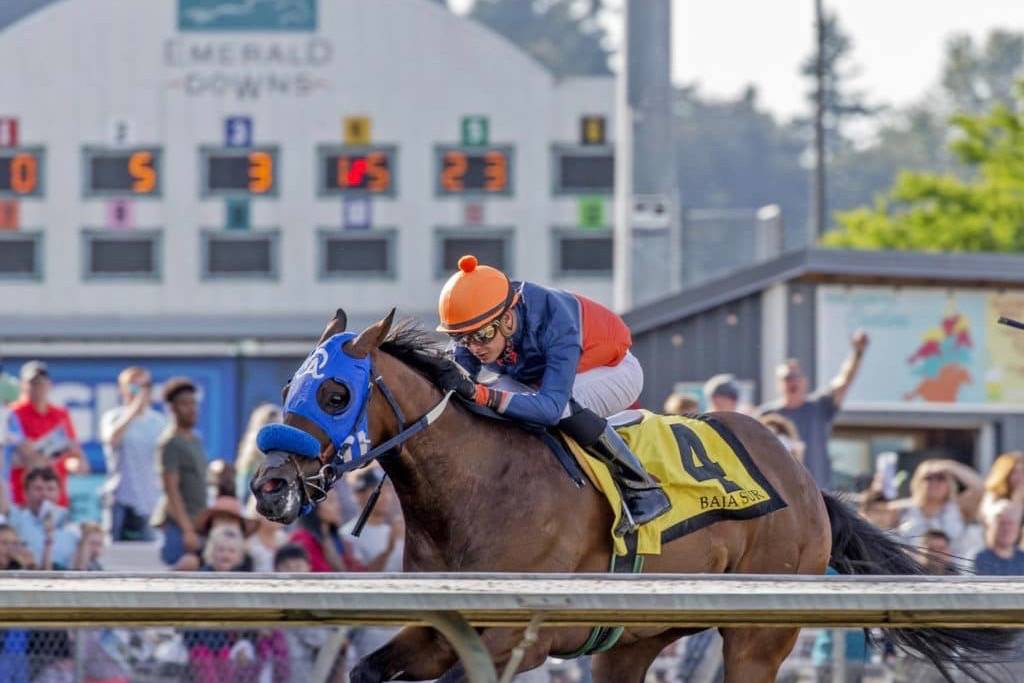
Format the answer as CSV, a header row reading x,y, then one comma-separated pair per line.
x,y
372,542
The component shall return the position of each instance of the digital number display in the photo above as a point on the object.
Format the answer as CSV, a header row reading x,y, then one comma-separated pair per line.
x,y
21,172
239,171
356,170
122,172
474,170
584,170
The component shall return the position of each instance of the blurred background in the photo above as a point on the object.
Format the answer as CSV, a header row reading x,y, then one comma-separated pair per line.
x,y
191,187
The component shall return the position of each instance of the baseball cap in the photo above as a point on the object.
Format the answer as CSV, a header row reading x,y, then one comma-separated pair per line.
x,y
33,369
722,385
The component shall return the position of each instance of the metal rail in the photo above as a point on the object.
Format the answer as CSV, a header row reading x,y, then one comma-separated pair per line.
x,y
453,603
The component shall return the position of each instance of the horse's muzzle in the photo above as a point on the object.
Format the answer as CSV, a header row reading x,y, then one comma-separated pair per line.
x,y
277,490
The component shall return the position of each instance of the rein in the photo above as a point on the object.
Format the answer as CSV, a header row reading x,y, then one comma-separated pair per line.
x,y
317,485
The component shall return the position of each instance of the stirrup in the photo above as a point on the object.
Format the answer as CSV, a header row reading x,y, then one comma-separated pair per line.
x,y
627,524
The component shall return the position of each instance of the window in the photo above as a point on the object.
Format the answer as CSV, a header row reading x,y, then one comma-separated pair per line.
x,y
579,253
582,169
21,255
121,254
492,247
240,254
358,254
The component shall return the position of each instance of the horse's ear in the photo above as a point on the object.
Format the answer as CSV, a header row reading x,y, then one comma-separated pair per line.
x,y
337,325
370,338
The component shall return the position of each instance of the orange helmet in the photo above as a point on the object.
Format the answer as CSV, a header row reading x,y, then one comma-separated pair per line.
x,y
473,297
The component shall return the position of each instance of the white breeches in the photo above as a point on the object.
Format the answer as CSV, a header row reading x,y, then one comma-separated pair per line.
x,y
605,390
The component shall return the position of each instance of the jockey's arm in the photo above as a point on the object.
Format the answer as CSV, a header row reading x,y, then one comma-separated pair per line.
x,y
546,405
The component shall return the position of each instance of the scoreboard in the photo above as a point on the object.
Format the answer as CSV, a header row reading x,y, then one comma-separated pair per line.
x,y
112,172
471,171
353,170
239,172
22,170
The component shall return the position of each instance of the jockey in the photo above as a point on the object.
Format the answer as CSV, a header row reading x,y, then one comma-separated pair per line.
x,y
562,360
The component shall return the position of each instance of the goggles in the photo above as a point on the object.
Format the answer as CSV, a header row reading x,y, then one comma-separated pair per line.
x,y
481,336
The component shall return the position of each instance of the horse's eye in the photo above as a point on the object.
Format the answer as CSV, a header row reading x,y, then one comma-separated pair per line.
x,y
333,397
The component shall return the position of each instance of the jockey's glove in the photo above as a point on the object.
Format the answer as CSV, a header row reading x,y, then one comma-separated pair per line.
x,y
451,377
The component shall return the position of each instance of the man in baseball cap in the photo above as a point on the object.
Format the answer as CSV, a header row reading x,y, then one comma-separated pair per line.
x,y
722,392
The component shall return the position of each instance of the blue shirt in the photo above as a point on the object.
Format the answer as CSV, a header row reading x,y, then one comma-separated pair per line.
x,y
30,529
548,342
987,563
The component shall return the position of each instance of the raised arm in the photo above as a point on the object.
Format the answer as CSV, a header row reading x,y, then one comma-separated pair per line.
x,y
848,372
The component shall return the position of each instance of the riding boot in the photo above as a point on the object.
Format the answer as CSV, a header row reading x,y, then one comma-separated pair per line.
x,y
642,495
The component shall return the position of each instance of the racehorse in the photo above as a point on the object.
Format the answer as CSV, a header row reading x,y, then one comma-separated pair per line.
x,y
480,495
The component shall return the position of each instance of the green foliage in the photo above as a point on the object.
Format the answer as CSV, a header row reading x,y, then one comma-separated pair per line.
x,y
563,35
943,212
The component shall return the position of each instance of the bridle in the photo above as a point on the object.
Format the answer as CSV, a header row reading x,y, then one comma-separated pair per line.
x,y
315,487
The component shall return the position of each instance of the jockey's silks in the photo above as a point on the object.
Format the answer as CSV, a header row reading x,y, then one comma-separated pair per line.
x,y
558,334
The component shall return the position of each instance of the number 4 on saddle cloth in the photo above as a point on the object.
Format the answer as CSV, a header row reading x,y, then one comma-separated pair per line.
x,y
702,467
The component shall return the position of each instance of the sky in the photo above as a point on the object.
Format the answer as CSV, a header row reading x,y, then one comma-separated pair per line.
x,y
898,44
725,44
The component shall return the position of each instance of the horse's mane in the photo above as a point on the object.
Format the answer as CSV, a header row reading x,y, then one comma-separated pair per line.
x,y
417,347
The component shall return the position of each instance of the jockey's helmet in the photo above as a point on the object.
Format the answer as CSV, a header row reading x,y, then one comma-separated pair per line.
x,y
473,297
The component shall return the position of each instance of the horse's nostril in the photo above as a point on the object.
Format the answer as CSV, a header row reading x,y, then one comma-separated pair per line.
x,y
272,486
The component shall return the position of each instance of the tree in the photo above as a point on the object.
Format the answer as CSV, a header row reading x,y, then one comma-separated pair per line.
x,y
732,154
563,35
975,76
843,103
942,212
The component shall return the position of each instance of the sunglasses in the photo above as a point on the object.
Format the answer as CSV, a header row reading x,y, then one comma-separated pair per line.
x,y
481,336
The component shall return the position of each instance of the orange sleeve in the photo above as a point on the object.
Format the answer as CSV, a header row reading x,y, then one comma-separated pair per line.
x,y
606,337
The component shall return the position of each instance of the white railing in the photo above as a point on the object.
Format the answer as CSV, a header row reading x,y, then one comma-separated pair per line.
x,y
455,603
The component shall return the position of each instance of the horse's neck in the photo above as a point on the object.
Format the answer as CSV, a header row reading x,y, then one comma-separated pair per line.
x,y
444,474
425,472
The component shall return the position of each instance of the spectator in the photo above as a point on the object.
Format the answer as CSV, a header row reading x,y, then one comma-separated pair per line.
x,y
935,503
304,644
89,550
784,428
12,551
263,544
380,546
875,508
722,393
183,473
813,414
130,434
1002,556
249,456
680,404
1005,481
225,511
48,437
224,551
319,534
42,524
220,479
934,553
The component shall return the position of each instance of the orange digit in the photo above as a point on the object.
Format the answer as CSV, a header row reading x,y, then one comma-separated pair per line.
x,y
495,171
377,169
261,172
24,173
453,171
140,167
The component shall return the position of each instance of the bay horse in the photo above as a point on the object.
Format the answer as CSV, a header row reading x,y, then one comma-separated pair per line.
x,y
480,495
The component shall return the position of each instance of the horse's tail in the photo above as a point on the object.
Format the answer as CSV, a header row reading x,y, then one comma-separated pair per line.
x,y
860,548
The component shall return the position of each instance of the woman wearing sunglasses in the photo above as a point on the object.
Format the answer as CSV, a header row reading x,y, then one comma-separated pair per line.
x,y
568,361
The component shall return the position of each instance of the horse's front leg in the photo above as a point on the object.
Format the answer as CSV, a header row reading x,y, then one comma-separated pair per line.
x,y
416,653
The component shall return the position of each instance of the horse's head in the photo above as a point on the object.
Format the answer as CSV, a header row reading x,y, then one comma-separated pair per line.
x,y
325,416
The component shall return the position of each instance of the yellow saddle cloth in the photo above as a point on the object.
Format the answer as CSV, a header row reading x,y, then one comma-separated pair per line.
x,y
705,470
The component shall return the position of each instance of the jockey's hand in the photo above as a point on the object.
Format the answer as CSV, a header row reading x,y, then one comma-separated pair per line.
x,y
453,378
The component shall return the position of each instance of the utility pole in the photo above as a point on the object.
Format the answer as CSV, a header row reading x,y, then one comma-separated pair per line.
x,y
647,227
622,232
820,199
